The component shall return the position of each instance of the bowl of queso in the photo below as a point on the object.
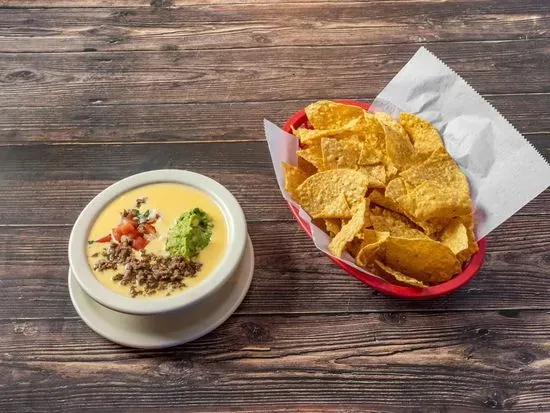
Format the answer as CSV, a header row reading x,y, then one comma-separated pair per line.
x,y
157,242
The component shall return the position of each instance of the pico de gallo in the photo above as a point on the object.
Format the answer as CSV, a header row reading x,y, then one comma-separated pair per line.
x,y
135,228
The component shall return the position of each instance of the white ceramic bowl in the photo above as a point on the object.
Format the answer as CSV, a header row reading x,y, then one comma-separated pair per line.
x,y
237,235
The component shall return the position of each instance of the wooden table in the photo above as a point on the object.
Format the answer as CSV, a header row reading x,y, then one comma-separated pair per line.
x,y
93,91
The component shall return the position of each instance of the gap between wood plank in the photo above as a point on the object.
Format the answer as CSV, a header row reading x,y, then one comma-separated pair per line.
x,y
91,143
214,3
176,142
250,221
332,313
229,103
238,102
350,45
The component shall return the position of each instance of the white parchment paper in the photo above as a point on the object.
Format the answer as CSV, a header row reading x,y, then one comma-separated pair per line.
x,y
504,170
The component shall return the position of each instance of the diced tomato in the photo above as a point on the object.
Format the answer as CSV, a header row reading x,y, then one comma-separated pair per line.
x,y
117,234
127,228
139,243
129,220
106,238
149,229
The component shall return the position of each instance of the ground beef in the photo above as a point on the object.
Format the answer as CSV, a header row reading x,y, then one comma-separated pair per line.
x,y
140,201
149,274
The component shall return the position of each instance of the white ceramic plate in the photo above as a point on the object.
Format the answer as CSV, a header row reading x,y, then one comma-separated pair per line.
x,y
166,330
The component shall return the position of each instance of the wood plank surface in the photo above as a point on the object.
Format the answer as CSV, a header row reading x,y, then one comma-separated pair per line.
x,y
246,25
57,181
99,122
257,74
291,275
175,4
92,91
452,362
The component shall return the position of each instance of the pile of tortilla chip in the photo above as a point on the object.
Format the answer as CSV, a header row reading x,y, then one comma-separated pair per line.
x,y
386,191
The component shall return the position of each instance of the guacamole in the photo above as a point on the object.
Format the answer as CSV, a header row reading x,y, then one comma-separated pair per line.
x,y
190,234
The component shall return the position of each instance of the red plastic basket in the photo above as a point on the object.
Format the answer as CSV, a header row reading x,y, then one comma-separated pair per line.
x,y
298,119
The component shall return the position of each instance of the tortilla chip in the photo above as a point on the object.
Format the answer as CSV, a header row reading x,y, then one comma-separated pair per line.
x,y
323,188
368,222
425,259
373,241
391,172
436,190
378,198
433,202
396,189
332,226
370,155
396,224
309,137
455,236
373,129
354,246
305,166
424,136
387,121
313,155
340,153
397,195
468,222
294,177
374,141
337,208
348,231
399,277
431,227
325,114
376,175
399,149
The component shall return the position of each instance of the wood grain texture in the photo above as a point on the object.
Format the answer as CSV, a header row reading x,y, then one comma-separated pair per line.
x,y
56,182
258,74
291,275
269,24
97,122
95,90
386,362
173,4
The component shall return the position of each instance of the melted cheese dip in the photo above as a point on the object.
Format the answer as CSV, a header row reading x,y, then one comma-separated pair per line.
x,y
169,201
